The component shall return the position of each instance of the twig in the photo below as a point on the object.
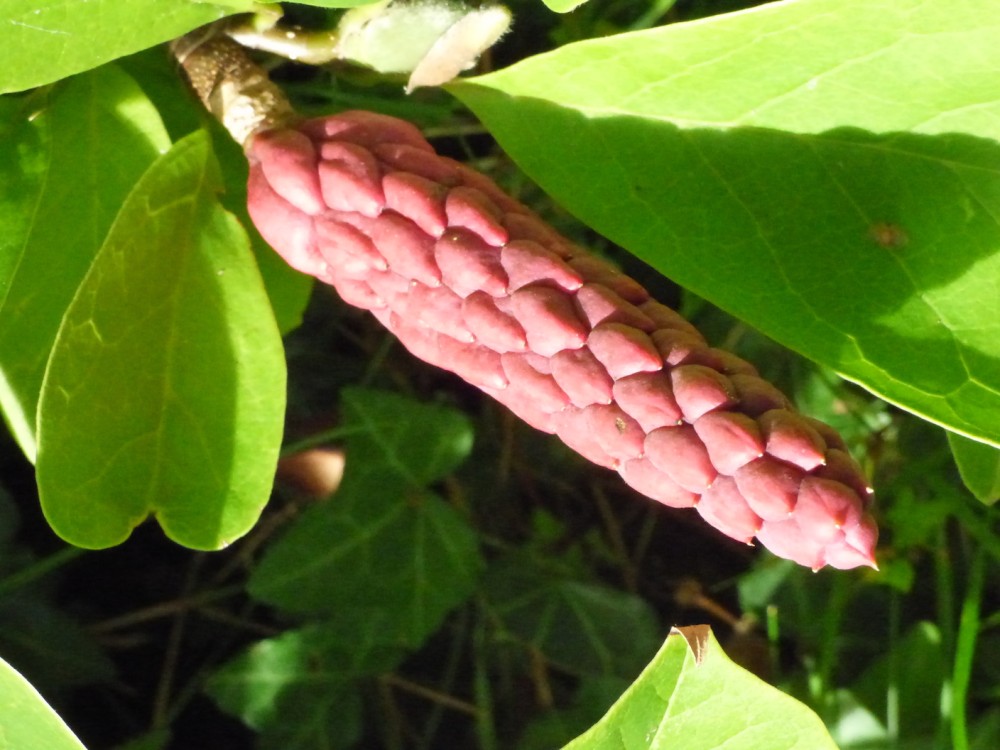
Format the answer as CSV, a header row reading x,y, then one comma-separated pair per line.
x,y
439,698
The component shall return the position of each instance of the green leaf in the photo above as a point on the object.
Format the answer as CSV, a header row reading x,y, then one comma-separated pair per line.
x,y
43,42
412,442
692,696
298,689
563,6
762,160
912,674
584,628
26,720
165,390
979,465
337,3
288,289
383,548
22,165
72,158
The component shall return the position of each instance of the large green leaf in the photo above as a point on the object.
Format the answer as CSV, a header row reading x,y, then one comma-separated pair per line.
x,y
780,163
165,390
22,167
43,42
692,696
383,548
288,289
26,720
81,150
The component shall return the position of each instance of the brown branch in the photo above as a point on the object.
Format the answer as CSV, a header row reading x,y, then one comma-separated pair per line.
x,y
232,87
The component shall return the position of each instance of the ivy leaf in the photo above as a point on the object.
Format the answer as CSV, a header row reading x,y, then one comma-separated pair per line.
x,y
692,696
27,720
415,443
776,162
298,689
165,390
41,43
384,548
584,628
72,158
979,465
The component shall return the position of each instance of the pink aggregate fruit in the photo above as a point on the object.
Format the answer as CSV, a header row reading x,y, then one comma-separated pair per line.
x,y
472,281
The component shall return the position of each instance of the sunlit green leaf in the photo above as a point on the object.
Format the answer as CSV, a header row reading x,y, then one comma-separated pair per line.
x,y
165,390
564,6
777,162
182,114
979,465
43,42
288,289
383,548
692,696
81,149
26,720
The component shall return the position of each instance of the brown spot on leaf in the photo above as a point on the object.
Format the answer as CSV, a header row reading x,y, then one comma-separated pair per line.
x,y
888,235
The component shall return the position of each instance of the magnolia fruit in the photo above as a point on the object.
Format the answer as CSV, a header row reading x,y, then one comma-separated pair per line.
x,y
472,281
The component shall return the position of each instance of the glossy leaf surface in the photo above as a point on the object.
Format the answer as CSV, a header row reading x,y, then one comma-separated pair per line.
x,y
26,720
43,42
776,162
72,158
287,289
692,696
165,390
